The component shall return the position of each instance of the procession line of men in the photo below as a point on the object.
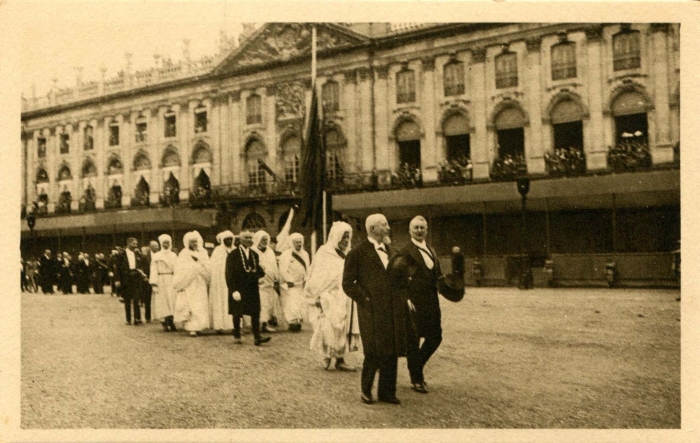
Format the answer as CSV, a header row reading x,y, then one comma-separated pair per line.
x,y
385,299
63,272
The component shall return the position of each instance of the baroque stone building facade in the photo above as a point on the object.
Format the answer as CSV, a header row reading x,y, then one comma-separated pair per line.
x,y
431,118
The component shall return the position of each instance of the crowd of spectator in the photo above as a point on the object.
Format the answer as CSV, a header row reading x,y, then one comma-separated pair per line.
x,y
629,155
566,161
455,170
508,167
407,176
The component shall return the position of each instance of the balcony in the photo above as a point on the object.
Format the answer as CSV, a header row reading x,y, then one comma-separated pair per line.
x,y
565,162
629,156
455,171
509,167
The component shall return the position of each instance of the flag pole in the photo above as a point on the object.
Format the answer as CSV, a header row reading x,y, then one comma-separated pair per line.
x,y
314,239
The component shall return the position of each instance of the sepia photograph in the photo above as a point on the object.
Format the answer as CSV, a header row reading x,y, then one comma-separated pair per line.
x,y
243,223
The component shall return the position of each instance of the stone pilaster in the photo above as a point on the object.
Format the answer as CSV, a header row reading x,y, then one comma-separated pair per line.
x,y
479,138
349,106
595,146
236,120
534,154
662,152
365,134
382,102
425,83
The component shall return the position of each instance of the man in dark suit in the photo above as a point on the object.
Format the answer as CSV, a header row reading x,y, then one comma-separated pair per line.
x,y
423,302
46,272
129,275
147,291
243,271
381,310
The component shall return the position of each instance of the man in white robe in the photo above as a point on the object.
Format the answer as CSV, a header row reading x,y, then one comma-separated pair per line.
x,y
267,284
161,280
220,319
294,262
191,282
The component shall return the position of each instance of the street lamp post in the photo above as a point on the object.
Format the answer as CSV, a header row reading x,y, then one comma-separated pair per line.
x,y
31,222
525,277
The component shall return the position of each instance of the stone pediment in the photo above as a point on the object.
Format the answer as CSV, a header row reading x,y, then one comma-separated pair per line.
x,y
283,42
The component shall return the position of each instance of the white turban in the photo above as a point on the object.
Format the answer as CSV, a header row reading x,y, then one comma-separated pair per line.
x,y
193,235
163,238
296,236
338,229
222,235
258,236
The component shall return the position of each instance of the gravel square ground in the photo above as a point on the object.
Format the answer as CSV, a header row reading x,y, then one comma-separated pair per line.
x,y
545,358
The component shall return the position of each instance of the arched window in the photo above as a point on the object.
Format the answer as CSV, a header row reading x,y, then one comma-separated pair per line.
x,y
114,196
291,154
626,50
64,174
405,86
170,158
42,176
457,143
64,201
409,168
563,61
507,70
253,110
89,169
141,193
331,96
115,167
141,162
201,155
453,78
567,129
202,186
253,222
256,174
510,139
630,114
87,200
334,143
171,191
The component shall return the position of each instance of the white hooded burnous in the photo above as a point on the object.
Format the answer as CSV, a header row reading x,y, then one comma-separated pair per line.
x,y
332,313
268,293
294,263
218,291
161,280
191,281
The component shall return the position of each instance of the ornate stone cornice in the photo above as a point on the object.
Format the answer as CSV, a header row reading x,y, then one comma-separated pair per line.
x,y
350,76
594,33
478,55
364,73
533,44
382,72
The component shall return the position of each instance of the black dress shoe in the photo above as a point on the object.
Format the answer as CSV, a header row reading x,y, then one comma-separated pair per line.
x,y
261,340
392,400
419,387
366,399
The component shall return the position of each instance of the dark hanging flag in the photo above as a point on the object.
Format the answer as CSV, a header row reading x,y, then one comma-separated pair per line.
x,y
313,166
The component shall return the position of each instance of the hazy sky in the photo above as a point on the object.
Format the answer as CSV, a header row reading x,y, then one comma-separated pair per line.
x,y
59,36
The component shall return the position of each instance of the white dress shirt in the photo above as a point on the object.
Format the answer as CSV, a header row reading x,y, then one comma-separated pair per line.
x,y
131,257
383,253
425,252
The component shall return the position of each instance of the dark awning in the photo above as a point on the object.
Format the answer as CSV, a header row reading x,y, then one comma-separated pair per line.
x,y
128,220
630,190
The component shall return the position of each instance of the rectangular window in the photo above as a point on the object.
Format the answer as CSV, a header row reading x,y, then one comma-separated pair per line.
x,y
331,97
253,110
88,141
200,122
41,148
626,51
65,143
507,70
141,132
256,174
113,135
291,169
405,87
334,170
454,79
170,128
563,61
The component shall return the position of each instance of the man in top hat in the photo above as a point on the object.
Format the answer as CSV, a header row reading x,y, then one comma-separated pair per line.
x,y
424,306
